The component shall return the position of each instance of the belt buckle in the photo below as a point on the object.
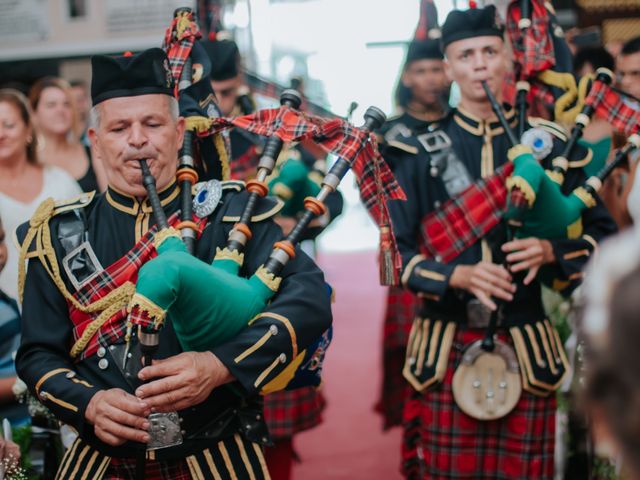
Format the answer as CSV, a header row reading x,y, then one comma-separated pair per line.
x,y
164,430
434,141
478,315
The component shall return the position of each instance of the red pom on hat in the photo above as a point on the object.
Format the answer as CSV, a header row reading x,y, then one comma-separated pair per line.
x,y
128,53
212,36
473,4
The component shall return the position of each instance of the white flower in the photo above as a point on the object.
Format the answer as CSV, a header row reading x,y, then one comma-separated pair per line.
x,y
19,388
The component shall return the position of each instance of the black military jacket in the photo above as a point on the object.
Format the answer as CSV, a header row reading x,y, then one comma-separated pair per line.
x,y
482,147
399,127
258,356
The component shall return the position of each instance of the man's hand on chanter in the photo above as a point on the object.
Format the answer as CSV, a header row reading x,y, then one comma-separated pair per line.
x,y
484,280
183,380
528,254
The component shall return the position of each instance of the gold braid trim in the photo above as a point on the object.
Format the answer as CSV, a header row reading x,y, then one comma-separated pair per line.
x,y
198,124
517,150
226,254
162,235
222,153
554,176
524,187
107,305
183,24
268,278
143,304
117,299
39,220
585,197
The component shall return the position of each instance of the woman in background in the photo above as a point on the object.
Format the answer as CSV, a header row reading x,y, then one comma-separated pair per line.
x,y
24,183
56,123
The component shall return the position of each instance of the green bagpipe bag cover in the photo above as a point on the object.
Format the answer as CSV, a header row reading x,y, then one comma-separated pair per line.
x,y
170,286
548,213
293,185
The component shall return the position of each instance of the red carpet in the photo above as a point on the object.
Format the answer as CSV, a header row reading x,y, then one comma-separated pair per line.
x,y
350,443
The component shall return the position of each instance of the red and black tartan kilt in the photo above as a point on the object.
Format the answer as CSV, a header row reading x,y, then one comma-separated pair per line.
x,y
402,308
125,469
442,442
291,411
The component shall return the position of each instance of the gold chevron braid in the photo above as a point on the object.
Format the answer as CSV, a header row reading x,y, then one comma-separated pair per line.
x,y
226,254
585,197
268,278
143,304
524,187
162,235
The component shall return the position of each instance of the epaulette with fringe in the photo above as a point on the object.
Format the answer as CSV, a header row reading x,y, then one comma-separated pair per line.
x,y
36,240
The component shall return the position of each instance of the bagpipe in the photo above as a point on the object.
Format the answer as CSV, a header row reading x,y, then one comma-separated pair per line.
x,y
168,285
161,287
534,191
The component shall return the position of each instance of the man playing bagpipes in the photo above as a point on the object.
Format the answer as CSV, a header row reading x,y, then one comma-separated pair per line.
x,y
421,95
482,358
84,257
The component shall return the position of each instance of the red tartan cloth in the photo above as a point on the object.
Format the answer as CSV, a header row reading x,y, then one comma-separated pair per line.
x,y
291,411
178,47
336,136
395,390
462,220
125,469
610,105
402,308
532,52
441,442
